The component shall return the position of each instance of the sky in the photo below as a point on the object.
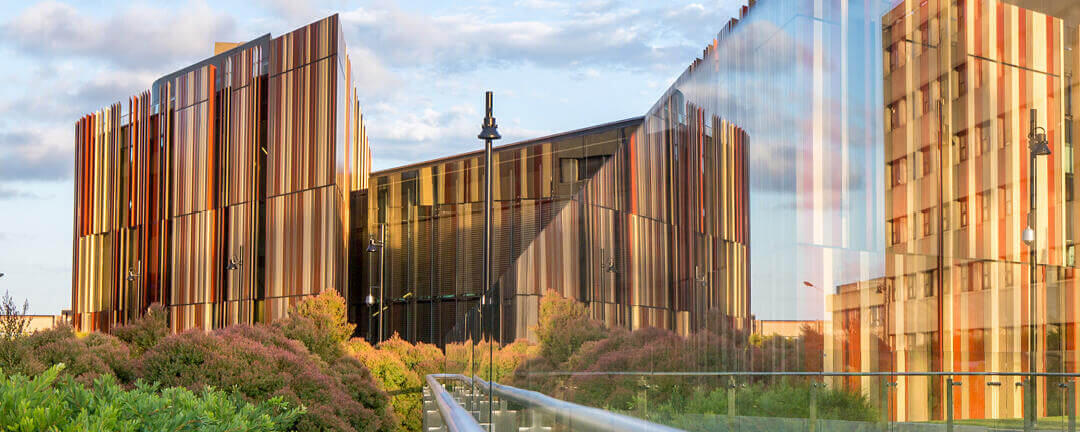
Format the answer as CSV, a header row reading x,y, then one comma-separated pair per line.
x,y
420,68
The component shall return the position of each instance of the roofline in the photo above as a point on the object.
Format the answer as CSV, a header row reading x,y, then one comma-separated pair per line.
x,y
609,125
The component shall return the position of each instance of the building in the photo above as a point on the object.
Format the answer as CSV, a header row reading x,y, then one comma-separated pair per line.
x,y
961,82
223,191
644,220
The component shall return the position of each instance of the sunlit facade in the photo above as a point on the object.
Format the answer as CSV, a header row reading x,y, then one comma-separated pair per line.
x,y
960,82
221,193
602,215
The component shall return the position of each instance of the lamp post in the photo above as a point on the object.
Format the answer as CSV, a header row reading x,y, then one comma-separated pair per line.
x,y
489,131
370,301
1037,146
381,247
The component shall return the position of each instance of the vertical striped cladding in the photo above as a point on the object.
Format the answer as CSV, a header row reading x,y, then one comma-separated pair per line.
x,y
304,247
176,199
302,128
193,145
625,217
305,45
195,269
97,172
243,131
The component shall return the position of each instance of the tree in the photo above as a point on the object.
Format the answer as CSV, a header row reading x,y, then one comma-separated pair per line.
x,y
14,322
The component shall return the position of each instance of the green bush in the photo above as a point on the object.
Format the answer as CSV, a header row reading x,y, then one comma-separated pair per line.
x,y
783,399
564,326
54,403
319,322
392,374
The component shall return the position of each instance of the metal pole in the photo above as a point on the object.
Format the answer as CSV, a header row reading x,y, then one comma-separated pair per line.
x,y
382,277
949,405
488,132
1071,408
1031,412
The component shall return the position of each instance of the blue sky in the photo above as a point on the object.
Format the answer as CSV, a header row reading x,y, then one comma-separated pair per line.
x,y
421,69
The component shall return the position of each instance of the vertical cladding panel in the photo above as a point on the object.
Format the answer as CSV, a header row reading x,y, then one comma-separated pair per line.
x,y
241,247
303,254
195,268
193,173
243,146
95,281
302,128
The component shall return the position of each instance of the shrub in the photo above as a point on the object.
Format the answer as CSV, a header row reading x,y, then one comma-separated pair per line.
x,y
145,331
259,362
48,403
392,374
422,358
557,315
319,322
85,358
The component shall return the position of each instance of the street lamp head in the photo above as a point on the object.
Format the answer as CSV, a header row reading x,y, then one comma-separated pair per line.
x,y
370,300
372,246
1038,145
1028,236
489,130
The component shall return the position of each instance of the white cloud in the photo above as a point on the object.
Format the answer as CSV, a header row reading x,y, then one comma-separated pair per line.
x,y
136,36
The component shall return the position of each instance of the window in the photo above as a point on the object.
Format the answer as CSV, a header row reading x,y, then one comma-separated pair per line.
x,y
1004,137
965,278
568,170
945,211
1008,275
962,202
984,137
927,159
962,146
898,171
961,80
924,33
985,275
1070,255
877,315
897,229
984,205
927,225
929,282
909,286
925,98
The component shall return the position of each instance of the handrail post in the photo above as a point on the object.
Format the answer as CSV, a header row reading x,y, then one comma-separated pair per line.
x,y
1071,400
884,403
731,402
1029,423
813,406
949,384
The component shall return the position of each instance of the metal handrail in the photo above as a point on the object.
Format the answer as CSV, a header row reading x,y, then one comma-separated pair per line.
x,y
800,374
576,416
454,416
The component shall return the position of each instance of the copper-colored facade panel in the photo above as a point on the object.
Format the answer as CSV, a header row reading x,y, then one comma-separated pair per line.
x,y
174,194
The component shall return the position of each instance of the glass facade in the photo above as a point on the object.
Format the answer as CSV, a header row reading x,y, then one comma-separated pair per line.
x,y
223,192
834,186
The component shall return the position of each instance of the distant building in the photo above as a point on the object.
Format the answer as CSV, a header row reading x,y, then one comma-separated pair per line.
x,y
223,191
